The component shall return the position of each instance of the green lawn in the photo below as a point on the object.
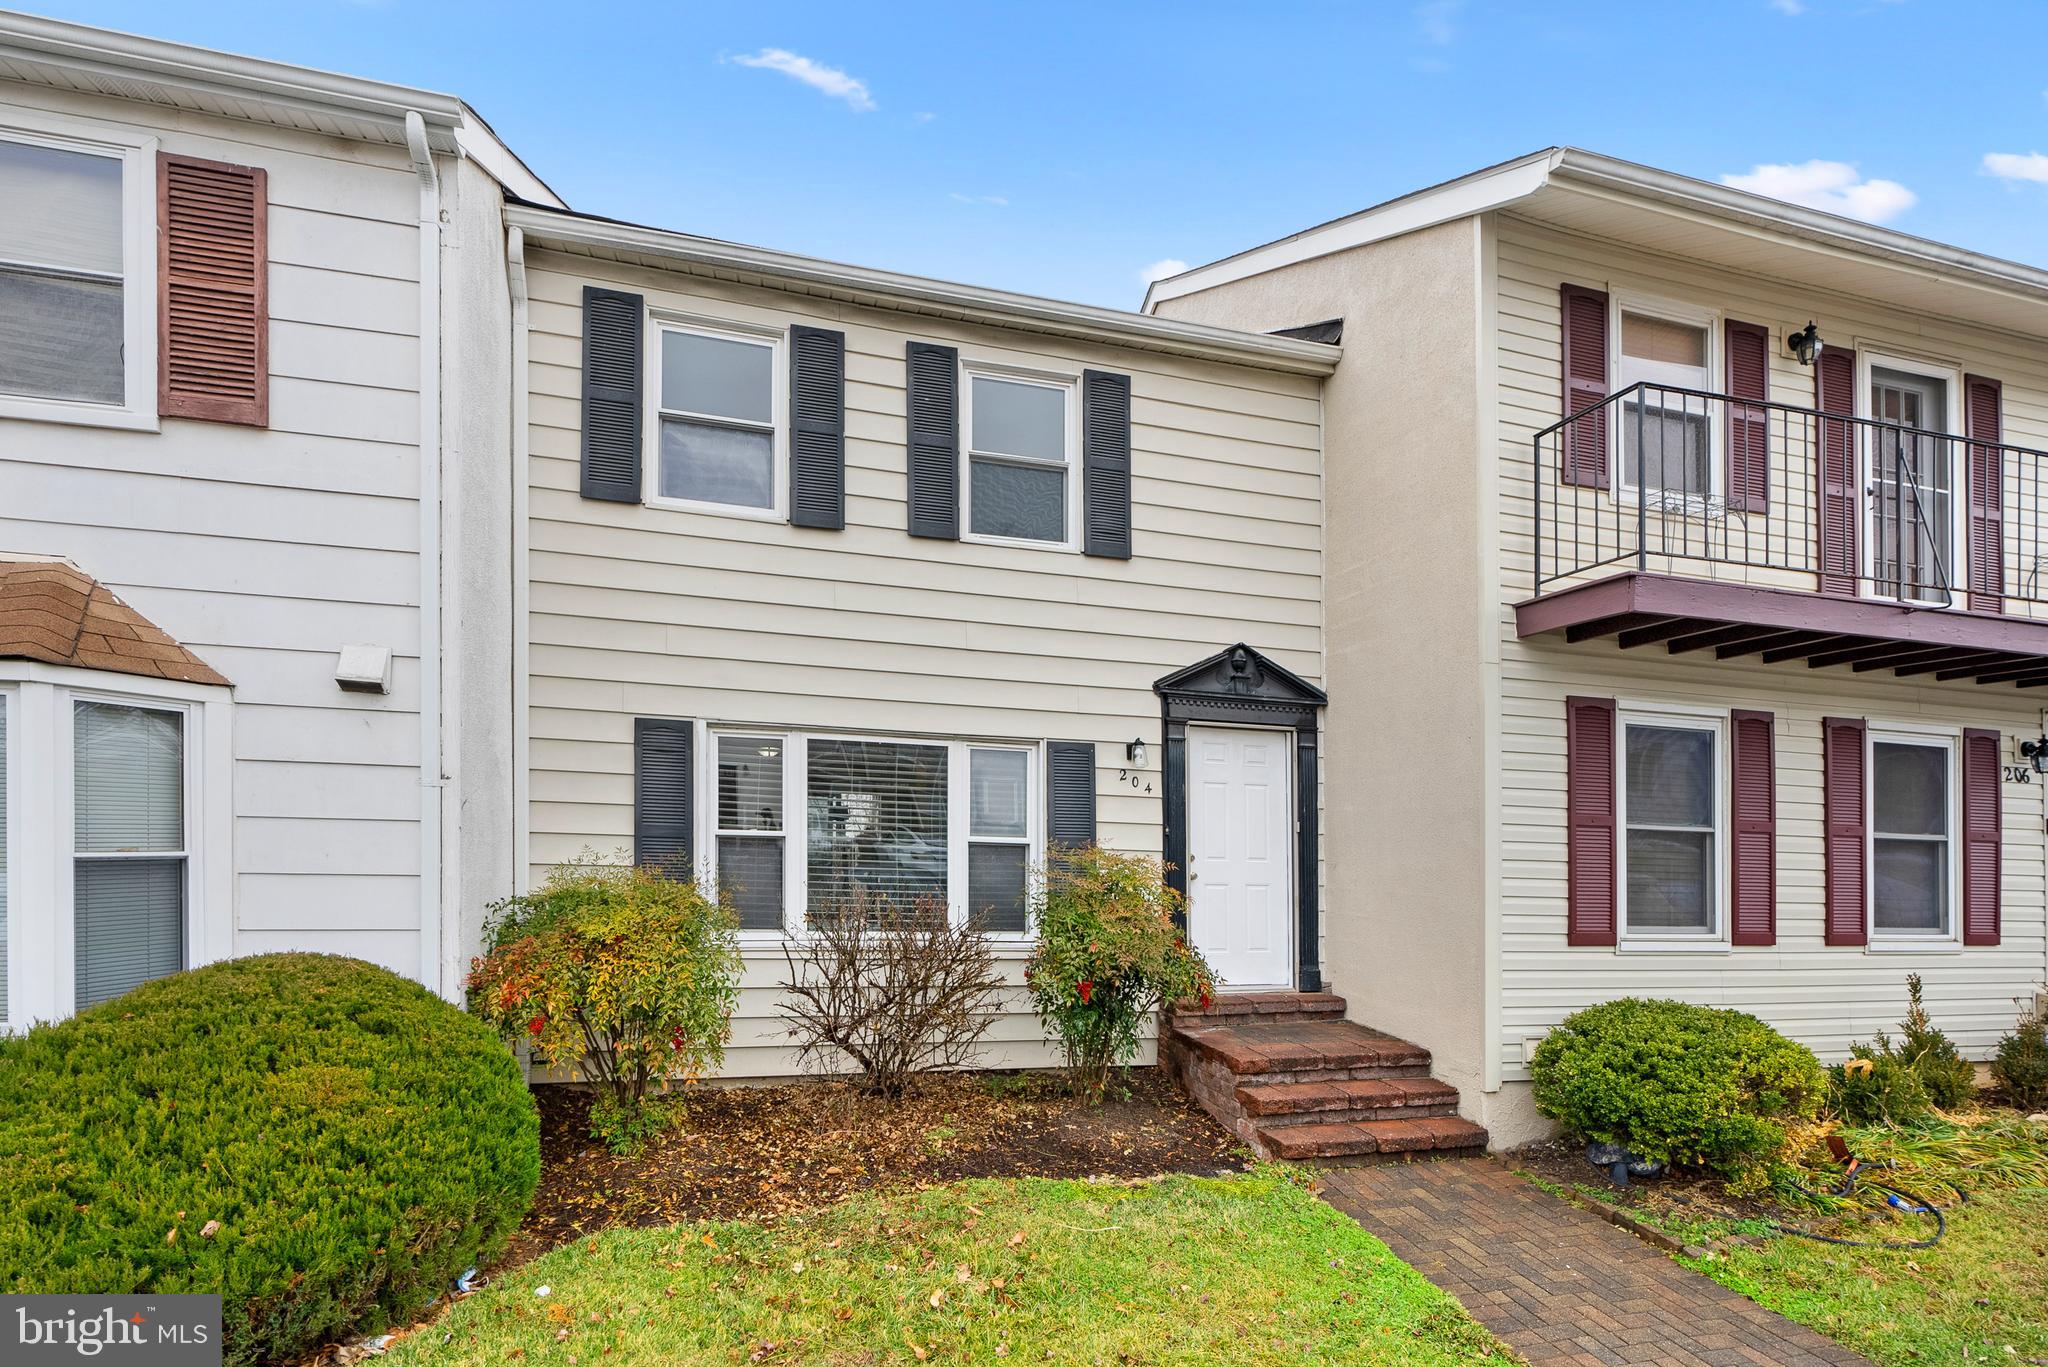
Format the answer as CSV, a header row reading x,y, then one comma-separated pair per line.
x,y
1179,1270
1975,1297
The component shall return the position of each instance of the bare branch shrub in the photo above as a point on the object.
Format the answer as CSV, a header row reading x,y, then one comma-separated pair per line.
x,y
897,989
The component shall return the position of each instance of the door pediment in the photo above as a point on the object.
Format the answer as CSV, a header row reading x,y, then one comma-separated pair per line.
x,y
1242,679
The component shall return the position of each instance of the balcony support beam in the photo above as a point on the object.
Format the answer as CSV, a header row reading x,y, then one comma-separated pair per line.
x,y
1900,658
1718,636
1755,644
1980,658
1854,654
1799,650
1591,631
1664,630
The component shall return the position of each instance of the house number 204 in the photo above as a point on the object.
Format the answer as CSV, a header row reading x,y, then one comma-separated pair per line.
x,y
1138,781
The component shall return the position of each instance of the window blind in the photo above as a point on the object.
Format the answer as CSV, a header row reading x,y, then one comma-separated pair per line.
x,y
128,883
876,822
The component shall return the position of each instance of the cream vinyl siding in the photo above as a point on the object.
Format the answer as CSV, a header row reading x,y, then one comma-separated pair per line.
x,y
266,550
640,611
1824,996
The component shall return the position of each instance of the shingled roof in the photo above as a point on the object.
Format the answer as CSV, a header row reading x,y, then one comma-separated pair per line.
x,y
60,615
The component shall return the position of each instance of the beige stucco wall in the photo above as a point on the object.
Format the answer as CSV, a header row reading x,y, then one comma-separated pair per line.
x,y
1406,748
649,611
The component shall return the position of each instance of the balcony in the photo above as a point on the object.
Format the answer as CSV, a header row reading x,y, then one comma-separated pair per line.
x,y
1697,521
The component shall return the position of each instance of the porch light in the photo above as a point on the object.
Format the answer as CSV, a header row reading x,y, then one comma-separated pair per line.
x,y
1806,343
1135,753
2036,752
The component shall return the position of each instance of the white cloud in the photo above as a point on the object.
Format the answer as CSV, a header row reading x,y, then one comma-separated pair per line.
x,y
1789,6
924,117
995,201
1437,19
2017,166
826,80
1161,269
1835,186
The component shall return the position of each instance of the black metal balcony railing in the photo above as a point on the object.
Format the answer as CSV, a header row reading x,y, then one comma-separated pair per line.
x,y
1666,478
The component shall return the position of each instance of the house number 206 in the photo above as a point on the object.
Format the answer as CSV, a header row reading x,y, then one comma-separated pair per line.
x,y
2019,773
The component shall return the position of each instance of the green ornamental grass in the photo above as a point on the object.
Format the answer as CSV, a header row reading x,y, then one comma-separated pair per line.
x,y
322,1142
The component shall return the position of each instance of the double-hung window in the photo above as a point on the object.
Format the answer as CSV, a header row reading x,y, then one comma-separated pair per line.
x,y
718,420
6,779
1665,430
77,279
1671,814
876,819
129,861
1912,836
1021,458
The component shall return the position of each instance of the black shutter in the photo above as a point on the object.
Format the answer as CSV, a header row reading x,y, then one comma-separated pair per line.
x,y
817,430
932,405
662,795
1106,464
612,332
1070,792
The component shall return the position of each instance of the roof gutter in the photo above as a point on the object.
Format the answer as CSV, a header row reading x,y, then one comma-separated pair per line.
x,y
916,294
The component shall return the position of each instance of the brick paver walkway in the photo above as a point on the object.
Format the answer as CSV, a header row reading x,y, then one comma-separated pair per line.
x,y
1560,1285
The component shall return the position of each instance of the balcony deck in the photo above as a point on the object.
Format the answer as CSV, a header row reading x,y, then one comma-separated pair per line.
x,y
1789,534
1733,620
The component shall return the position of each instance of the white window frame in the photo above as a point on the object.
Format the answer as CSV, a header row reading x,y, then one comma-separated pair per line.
x,y
1932,737
1870,360
136,151
42,825
10,848
1716,723
660,323
1069,386
796,818
1691,315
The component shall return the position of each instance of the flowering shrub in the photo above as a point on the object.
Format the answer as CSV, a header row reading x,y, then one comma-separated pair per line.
x,y
626,974
1108,956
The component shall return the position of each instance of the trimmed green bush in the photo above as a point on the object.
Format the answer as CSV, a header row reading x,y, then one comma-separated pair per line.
x,y
322,1142
2021,1065
1677,1083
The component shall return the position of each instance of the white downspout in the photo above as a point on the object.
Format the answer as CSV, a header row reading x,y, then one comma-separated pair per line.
x,y
522,741
432,781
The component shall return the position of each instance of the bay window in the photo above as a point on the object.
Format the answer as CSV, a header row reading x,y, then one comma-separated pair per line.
x,y
1671,850
890,819
1912,829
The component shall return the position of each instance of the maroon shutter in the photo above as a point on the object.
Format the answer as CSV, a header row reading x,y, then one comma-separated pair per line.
x,y
1981,837
213,291
1982,399
1753,854
1834,383
1749,429
1843,760
1583,318
1589,820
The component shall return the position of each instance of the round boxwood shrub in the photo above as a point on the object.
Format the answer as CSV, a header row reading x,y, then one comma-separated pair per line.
x,y
322,1142
1677,1083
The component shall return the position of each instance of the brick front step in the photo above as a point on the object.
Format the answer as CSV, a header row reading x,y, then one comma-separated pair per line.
x,y
1240,1007
1372,1139
1298,1051
1293,1079
1300,1103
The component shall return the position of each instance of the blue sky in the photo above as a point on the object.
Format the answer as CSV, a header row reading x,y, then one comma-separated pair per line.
x,y
1063,149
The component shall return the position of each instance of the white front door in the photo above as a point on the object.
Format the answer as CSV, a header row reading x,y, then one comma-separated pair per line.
x,y
1240,854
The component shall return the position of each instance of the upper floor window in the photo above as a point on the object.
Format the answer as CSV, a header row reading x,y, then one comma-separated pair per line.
x,y
1020,458
1671,428
61,273
719,420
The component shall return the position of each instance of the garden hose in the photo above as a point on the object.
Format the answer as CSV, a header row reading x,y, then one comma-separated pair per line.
x,y
1894,1197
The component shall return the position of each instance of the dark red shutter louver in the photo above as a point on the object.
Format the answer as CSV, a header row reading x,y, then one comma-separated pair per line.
x,y
1753,854
1834,383
1583,319
1983,422
1843,760
1589,821
1749,429
213,291
1982,839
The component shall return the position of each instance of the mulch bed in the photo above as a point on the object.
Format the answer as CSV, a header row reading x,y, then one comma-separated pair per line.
x,y
1677,1194
758,1153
